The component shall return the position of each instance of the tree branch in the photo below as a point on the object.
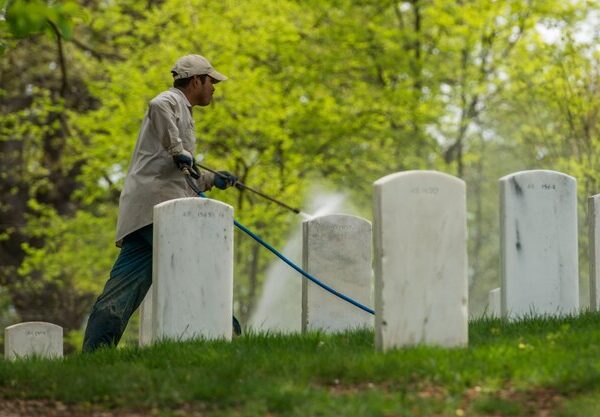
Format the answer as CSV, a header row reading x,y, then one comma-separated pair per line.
x,y
61,58
96,54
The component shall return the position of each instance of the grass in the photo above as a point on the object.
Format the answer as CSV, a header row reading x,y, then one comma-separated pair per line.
x,y
537,367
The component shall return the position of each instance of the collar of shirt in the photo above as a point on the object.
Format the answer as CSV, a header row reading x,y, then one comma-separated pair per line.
x,y
178,91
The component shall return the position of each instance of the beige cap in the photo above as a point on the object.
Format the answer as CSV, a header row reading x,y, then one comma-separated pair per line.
x,y
190,65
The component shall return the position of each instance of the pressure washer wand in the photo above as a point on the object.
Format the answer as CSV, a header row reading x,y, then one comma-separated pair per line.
x,y
188,179
263,195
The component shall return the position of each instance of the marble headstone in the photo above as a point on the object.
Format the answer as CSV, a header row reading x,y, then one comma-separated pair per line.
x,y
192,288
145,326
337,249
494,303
420,236
34,338
538,235
594,242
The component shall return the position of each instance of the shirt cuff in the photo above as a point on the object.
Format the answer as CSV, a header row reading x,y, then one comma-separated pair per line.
x,y
175,149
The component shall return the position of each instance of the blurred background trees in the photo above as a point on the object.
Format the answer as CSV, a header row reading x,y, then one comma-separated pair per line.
x,y
334,91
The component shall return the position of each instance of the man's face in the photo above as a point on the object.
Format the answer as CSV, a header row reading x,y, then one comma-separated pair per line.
x,y
204,92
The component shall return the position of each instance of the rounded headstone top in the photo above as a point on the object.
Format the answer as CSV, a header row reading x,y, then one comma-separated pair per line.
x,y
336,217
29,324
538,173
414,174
191,202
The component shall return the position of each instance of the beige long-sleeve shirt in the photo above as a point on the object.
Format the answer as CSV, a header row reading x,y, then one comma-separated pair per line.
x,y
167,129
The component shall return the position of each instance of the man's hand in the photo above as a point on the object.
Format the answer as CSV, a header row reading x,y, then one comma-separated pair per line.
x,y
186,160
183,159
224,180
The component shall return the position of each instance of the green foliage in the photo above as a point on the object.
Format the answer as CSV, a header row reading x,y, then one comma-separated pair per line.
x,y
338,91
28,17
60,259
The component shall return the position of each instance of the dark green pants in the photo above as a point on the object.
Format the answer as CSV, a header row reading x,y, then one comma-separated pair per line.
x,y
129,281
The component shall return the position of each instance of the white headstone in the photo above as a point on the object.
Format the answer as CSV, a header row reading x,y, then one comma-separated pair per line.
x,y
192,285
145,326
538,235
594,242
494,303
34,338
337,249
420,235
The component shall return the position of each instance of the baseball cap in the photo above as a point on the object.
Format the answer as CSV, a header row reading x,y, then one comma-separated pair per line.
x,y
190,65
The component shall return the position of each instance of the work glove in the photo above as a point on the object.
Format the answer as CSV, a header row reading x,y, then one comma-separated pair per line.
x,y
183,159
224,180
186,160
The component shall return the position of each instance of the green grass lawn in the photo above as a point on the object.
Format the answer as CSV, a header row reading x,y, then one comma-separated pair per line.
x,y
540,367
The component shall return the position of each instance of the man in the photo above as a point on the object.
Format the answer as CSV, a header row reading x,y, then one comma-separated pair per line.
x,y
165,144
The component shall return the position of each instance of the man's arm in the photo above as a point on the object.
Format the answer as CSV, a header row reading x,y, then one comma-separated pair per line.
x,y
162,117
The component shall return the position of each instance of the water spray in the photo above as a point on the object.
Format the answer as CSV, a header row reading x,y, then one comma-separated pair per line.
x,y
257,238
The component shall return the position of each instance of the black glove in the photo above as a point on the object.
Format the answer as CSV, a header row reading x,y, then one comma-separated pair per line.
x,y
224,179
184,159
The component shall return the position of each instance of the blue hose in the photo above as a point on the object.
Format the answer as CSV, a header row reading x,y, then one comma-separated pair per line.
x,y
297,268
